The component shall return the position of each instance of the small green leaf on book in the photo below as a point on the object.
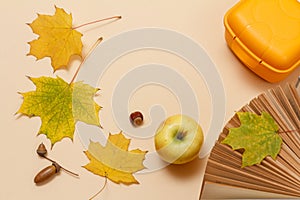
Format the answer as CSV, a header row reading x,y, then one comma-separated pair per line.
x,y
257,135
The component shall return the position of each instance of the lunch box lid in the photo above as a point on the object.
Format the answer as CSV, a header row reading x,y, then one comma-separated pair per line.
x,y
269,30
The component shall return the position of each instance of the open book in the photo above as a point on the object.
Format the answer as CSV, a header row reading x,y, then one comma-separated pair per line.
x,y
278,178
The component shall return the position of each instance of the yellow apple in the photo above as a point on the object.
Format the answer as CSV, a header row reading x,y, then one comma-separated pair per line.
x,y
178,139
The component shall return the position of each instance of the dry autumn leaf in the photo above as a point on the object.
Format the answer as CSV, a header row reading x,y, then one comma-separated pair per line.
x,y
257,135
57,39
114,161
60,105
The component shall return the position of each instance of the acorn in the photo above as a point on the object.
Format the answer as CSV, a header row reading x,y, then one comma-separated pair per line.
x,y
41,150
51,170
47,173
136,118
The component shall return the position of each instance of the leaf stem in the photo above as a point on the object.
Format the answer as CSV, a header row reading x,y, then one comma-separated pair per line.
x,y
289,131
96,21
90,51
100,189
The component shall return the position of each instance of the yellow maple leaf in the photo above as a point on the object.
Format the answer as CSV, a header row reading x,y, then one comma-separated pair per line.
x,y
57,39
114,161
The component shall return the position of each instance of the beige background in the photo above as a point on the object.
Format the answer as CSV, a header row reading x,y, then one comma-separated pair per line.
x,y
200,20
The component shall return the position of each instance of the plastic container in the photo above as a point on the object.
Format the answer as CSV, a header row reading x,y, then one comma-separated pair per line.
x,y
265,36
298,85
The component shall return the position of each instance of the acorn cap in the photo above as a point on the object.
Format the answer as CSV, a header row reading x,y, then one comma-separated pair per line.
x,y
57,167
41,150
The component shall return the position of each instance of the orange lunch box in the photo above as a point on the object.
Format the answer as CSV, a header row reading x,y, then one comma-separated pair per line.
x,y
265,36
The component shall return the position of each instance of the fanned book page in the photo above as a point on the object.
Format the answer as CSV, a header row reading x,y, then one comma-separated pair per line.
x,y
280,177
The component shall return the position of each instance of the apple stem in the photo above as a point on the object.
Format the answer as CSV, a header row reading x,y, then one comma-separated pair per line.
x,y
181,134
96,21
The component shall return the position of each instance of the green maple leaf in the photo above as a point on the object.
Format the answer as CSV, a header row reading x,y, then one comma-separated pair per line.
x,y
257,135
60,105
